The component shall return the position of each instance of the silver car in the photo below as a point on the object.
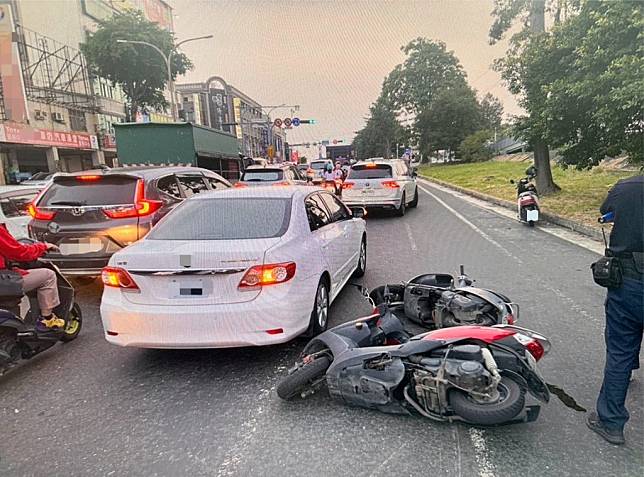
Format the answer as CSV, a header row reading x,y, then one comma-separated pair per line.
x,y
381,183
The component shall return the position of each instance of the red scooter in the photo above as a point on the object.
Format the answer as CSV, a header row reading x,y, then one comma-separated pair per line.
x,y
527,200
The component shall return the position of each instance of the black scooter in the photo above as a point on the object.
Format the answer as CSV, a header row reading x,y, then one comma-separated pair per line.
x,y
18,337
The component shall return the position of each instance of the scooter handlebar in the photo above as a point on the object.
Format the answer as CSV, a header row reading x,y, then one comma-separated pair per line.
x,y
606,218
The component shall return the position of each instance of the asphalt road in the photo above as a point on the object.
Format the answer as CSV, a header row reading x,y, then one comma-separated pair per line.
x,y
89,408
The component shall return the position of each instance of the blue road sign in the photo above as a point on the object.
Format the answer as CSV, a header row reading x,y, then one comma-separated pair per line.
x,y
295,121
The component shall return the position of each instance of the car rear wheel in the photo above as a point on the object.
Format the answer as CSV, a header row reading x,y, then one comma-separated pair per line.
x,y
414,202
362,259
400,211
320,313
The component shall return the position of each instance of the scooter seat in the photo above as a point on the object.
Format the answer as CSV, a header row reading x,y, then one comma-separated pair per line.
x,y
433,279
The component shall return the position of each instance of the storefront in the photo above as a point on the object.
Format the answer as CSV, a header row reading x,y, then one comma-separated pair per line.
x,y
25,150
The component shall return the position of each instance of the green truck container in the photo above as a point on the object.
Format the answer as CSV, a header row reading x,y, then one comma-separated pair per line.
x,y
179,144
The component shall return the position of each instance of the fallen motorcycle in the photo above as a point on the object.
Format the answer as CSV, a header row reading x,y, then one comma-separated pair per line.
x,y
439,301
475,374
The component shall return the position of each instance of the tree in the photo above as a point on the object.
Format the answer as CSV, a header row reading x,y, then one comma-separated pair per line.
x,y
476,147
137,69
381,133
429,68
491,112
453,115
532,12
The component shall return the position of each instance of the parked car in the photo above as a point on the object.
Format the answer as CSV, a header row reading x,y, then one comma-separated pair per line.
x,y
39,179
318,166
14,208
381,183
241,267
276,174
93,214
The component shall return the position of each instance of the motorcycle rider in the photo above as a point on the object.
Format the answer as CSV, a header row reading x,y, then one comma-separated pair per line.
x,y
329,173
43,280
624,307
339,172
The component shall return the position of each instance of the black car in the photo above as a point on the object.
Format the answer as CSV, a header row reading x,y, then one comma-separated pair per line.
x,y
91,215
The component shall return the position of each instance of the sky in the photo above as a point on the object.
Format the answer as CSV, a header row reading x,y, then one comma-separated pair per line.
x,y
330,56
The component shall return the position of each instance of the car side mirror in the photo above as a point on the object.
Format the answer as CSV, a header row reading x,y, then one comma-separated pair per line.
x,y
359,212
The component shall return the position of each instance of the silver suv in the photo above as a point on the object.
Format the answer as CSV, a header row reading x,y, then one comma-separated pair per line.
x,y
381,183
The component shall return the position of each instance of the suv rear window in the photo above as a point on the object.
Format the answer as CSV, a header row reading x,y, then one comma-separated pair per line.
x,y
318,166
378,171
263,175
105,190
225,219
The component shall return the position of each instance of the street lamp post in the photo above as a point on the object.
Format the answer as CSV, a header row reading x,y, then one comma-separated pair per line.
x,y
168,63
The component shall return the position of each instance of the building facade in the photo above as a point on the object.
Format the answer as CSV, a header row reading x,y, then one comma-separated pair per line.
x,y
219,105
53,115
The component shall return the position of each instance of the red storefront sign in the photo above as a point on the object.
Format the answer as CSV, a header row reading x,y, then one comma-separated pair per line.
x,y
21,134
108,141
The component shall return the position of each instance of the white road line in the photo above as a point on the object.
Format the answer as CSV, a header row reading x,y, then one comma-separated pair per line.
x,y
560,232
412,242
486,468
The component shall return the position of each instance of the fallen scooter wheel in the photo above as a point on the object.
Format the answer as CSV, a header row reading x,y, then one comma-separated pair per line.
x,y
73,326
296,382
510,403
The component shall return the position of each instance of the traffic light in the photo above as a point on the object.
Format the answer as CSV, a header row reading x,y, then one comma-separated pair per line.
x,y
307,121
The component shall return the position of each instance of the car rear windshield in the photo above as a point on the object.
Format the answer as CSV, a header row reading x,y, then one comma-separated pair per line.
x,y
318,165
263,175
225,219
377,171
104,190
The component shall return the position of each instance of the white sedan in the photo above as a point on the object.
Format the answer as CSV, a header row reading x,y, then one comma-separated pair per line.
x,y
236,267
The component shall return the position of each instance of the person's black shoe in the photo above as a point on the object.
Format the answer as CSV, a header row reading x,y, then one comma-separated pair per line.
x,y
613,436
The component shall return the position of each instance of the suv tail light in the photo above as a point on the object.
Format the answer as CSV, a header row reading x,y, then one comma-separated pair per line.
x,y
348,185
269,274
141,207
39,214
391,184
239,185
118,278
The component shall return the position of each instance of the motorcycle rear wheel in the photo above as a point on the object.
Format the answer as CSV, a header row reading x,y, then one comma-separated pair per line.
x,y
73,326
296,382
506,408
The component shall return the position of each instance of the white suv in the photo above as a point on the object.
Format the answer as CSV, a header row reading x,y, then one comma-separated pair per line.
x,y
381,183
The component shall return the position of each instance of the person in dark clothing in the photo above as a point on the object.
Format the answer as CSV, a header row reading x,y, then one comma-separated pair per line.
x,y
624,308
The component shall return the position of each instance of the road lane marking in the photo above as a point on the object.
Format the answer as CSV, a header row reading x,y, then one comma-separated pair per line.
x,y
412,242
559,232
486,467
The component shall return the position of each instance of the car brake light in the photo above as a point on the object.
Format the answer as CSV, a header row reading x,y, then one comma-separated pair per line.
x,y
118,278
270,274
88,178
348,185
391,184
39,214
141,207
371,164
239,185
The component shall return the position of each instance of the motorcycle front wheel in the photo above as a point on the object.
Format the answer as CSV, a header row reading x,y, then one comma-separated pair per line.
x,y
296,382
509,404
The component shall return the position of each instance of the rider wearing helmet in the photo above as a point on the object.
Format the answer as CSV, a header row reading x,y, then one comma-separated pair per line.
x,y
329,173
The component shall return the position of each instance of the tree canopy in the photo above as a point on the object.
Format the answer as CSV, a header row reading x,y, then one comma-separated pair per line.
x,y
138,69
381,132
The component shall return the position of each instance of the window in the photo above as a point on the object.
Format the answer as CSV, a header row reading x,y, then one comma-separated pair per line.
x,y
215,183
191,185
371,171
8,208
261,175
169,186
316,212
336,208
106,190
77,120
225,219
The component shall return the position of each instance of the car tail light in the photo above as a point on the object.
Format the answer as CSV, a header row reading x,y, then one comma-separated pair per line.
x,y
141,207
391,184
270,274
348,185
276,331
118,278
282,183
239,185
39,214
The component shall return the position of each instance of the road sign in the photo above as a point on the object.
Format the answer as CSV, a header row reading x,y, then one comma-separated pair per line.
x,y
335,141
295,122
307,121
277,123
287,122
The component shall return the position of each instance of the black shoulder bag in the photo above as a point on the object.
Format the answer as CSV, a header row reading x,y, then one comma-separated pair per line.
x,y
607,271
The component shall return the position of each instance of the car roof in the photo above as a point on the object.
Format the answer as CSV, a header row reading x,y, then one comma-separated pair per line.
x,y
259,192
17,188
144,172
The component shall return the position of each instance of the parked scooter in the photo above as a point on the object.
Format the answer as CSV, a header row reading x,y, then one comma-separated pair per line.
x,y
436,300
476,374
18,337
527,198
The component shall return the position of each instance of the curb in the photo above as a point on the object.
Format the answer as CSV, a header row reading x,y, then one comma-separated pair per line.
x,y
548,217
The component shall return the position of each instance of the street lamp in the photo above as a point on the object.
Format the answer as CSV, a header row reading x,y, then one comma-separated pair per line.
x,y
168,63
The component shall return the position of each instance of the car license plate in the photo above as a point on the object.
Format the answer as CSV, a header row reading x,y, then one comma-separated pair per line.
x,y
532,215
367,191
187,288
81,246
